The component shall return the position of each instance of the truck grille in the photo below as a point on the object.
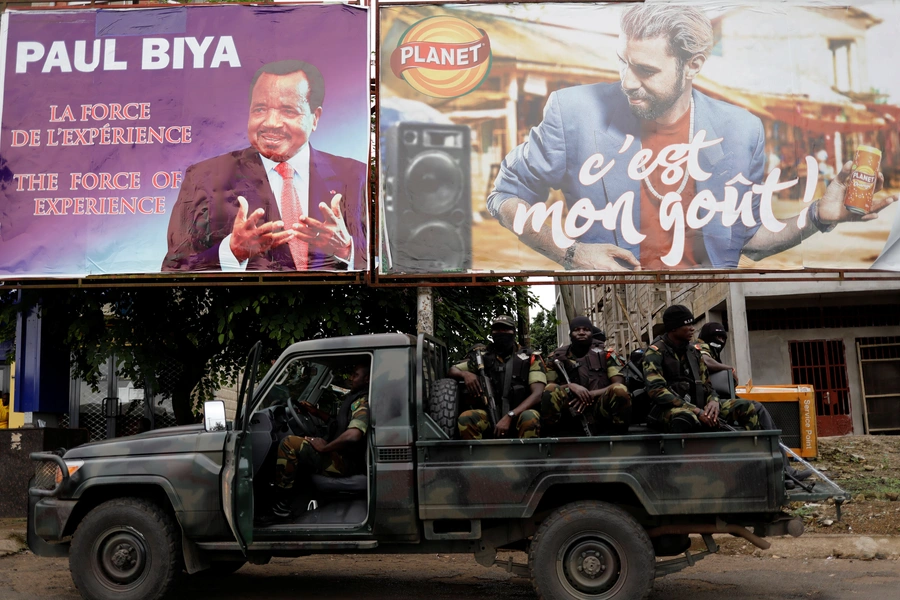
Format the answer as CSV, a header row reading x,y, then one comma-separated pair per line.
x,y
45,474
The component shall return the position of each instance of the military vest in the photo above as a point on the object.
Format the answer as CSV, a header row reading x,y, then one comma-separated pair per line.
x,y
354,455
495,368
683,376
589,371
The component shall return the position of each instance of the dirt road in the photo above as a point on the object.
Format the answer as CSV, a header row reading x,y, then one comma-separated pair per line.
x,y
454,577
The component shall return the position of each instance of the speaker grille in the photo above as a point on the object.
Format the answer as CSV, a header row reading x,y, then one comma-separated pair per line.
x,y
427,197
434,183
787,416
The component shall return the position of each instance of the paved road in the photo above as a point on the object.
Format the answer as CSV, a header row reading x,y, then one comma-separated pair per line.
x,y
442,577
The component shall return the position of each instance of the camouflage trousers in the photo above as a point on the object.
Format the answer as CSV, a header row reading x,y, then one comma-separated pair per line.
x,y
473,424
733,410
296,454
612,409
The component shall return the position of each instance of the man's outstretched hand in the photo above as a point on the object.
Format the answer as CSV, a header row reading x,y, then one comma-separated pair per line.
x,y
249,239
328,237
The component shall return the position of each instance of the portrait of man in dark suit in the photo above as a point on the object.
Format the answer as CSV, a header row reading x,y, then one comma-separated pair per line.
x,y
279,205
654,108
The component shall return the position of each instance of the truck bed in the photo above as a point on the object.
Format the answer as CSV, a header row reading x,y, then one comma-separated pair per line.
x,y
670,474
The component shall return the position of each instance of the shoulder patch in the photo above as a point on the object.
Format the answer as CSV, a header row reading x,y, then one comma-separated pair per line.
x,y
654,347
697,346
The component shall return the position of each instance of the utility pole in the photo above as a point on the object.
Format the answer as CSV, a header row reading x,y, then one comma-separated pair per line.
x,y
425,310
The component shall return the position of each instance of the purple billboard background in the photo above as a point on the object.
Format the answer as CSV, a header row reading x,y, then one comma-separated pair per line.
x,y
212,101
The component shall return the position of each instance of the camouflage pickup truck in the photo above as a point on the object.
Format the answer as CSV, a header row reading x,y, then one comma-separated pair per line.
x,y
598,517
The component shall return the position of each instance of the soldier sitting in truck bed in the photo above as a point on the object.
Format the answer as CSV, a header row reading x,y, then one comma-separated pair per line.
x,y
678,383
517,380
596,386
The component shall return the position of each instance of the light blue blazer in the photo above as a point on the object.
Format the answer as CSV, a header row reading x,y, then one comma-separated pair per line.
x,y
584,120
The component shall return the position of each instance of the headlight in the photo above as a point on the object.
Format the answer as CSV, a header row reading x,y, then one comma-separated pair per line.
x,y
73,465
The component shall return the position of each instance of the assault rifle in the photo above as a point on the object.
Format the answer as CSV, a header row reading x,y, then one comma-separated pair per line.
x,y
572,411
487,388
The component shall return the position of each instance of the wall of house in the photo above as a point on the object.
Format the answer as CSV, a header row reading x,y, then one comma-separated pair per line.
x,y
746,31
772,363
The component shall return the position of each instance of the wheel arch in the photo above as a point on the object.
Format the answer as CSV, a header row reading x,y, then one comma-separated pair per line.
x,y
98,490
554,491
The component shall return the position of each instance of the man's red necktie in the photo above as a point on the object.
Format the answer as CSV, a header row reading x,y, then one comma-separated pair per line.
x,y
291,211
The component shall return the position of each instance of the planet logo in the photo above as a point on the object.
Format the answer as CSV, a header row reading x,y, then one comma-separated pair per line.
x,y
442,57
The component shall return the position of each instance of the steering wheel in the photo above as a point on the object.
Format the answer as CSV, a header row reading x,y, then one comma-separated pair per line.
x,y
303,417
295,415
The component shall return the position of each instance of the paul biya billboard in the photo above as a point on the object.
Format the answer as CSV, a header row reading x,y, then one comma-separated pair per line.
x,y
214,138
550,137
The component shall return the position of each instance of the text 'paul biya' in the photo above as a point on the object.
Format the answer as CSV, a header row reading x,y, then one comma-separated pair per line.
x,y
156,53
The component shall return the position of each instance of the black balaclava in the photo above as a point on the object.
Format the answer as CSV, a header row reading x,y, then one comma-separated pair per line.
x,y
711,334
579,347
504,342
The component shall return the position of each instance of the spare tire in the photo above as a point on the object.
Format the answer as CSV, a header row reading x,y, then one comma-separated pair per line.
x,y
444,405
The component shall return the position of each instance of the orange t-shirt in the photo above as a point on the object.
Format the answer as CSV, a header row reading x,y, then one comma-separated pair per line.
x,y
658,241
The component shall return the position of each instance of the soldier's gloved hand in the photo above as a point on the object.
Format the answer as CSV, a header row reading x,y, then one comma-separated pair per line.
x,y
471,381
580,392
503,426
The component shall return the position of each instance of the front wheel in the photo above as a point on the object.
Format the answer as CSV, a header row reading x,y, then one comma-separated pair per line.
x,y
591,550
125,549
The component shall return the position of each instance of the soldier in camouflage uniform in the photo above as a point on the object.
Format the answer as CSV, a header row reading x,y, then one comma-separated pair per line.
x,y
517,378
341,457
677,380
712,341
597,385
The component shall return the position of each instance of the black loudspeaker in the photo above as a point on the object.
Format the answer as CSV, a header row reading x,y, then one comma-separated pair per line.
x,y
427,197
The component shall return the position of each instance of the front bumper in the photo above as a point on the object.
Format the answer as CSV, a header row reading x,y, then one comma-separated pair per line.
x,y
47,514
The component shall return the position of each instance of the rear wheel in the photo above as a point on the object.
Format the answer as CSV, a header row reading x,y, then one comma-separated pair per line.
x,y
125,549
444,405
591,550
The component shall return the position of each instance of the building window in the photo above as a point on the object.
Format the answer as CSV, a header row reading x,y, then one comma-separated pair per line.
x,y
843,52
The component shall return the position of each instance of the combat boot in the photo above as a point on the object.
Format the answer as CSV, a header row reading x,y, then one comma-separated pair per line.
x,y
798,474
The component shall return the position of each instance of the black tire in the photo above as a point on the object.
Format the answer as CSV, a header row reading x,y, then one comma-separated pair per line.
x,y
444,405
125,549
591,550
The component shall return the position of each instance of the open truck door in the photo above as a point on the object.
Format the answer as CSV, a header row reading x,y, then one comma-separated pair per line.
x,y
237,472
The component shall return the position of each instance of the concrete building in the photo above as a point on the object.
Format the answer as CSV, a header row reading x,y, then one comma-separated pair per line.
x,y
840,336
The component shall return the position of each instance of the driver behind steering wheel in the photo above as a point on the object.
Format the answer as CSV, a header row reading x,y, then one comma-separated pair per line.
x,y
343,456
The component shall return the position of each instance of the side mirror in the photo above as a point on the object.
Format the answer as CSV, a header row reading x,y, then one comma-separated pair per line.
x,y
214,415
